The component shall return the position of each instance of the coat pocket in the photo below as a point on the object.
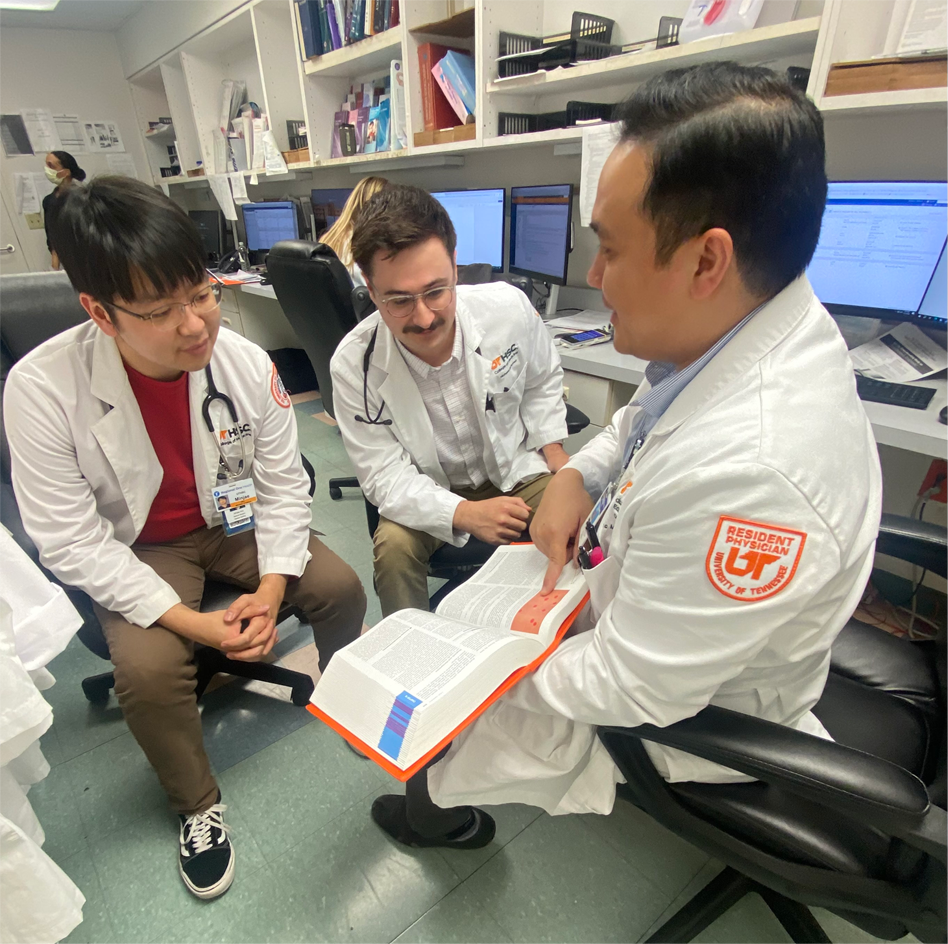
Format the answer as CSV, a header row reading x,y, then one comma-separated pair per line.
x,y
603,582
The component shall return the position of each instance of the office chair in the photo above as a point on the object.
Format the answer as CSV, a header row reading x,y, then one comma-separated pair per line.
x,y
856,825
314,290
37,306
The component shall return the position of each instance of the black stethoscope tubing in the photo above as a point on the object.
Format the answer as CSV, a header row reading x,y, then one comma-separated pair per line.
x,y
214,394
372,420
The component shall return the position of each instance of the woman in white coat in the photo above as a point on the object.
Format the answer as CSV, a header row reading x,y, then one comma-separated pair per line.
x,y
740,488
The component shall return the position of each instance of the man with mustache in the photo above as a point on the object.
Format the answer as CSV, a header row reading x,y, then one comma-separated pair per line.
x,y
449,398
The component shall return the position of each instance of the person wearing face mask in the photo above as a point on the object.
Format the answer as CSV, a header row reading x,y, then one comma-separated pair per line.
x,y
61,169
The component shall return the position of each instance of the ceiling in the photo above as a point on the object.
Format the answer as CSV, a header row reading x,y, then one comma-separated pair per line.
x,y
101,15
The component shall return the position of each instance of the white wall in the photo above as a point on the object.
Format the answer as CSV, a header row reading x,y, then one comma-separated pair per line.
x,y
71,71
163,25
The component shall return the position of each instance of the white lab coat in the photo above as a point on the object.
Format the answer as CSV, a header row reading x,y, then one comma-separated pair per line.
x,y
40,902
85,472
769,432
509,358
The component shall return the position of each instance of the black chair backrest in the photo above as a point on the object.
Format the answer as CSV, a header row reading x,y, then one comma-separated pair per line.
x,y
314,290
35,306
362,302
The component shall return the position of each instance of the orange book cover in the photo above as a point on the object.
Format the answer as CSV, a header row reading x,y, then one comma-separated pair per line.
x,y
524,622
436,109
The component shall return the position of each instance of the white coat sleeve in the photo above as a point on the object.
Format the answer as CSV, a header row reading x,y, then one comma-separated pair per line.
x,y
542,408
59,512
670,638
598,461
384,467
282,509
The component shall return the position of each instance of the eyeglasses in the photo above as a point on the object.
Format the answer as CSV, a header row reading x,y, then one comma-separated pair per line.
x,y
202,302
436,299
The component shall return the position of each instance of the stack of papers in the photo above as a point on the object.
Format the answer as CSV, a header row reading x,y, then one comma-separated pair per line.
x,y
582,321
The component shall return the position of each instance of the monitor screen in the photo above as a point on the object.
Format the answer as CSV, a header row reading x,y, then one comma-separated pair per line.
x,y
327,208
934,307
210,224
478,218
268,223
879,245
540,231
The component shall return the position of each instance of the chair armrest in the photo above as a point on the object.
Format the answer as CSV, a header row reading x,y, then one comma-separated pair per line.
x,y
918,542
854,783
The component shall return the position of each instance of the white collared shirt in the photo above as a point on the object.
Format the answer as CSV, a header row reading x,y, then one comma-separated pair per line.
x,y
451,409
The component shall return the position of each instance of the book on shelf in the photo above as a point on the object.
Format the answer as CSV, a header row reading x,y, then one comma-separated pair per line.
x,y
334,35
409,685
454,74
436,110
304,25
339,119
325,36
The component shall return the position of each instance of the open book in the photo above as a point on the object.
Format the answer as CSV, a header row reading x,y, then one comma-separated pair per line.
x,y
406,687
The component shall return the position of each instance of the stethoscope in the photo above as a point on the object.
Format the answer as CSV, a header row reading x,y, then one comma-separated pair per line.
x,y
214,394
375,420
372,420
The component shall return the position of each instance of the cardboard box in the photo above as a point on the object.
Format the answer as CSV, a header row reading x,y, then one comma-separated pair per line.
x,y
446,135
299,156
887,75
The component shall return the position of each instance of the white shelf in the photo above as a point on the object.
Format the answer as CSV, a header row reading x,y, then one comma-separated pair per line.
x,y
363,158
880,102
374,52
532,138
758,45
159,135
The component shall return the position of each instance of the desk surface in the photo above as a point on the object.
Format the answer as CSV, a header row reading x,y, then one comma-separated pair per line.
x,y
255,288
913,430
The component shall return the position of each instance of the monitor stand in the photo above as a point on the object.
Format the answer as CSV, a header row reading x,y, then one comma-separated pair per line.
x,y
551,301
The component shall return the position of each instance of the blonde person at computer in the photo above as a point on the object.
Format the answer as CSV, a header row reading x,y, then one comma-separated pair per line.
x,y
339,236
449,397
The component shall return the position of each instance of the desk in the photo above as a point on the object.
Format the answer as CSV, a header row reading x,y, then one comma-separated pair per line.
x,y
912,430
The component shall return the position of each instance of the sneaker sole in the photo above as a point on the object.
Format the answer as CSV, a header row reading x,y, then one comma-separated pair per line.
x,y
215,890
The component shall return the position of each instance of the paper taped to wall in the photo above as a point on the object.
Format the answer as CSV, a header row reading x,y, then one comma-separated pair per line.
x,y
598,142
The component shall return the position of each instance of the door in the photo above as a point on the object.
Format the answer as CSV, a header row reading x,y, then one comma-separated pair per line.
x,y
12,260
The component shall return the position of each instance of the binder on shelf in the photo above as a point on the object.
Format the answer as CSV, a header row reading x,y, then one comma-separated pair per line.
x,y
436,109
324,34
305,28
311,10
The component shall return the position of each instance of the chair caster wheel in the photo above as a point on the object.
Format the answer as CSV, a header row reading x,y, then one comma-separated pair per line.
x,y
300,694
97,689
335,493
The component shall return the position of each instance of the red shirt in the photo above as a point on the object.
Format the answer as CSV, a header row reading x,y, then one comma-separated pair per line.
x,y
176,510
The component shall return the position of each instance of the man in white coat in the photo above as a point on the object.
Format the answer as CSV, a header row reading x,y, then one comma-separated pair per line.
x,y
151,449
736,499
449,397
450,403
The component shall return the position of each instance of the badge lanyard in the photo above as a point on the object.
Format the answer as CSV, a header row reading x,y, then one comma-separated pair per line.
x,y
233,496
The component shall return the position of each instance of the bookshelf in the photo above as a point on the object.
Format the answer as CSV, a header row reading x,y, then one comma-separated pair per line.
x,y
258,42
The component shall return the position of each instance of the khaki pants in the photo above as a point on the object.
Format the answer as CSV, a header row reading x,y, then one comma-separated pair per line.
x,y
154,668
402,554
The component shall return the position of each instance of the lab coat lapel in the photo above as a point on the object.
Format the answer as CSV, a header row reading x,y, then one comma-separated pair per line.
x,y
478,376
410,420
121,432
774,322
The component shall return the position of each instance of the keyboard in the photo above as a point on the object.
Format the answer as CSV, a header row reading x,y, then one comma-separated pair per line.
x,y
895,394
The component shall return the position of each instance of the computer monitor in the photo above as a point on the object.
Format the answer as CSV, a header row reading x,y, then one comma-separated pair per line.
x,y
268,223
478,218
934,307
210,224
327,208
879,248
540,231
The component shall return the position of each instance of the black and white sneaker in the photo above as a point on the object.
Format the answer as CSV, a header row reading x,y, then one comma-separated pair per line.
x,y
206,857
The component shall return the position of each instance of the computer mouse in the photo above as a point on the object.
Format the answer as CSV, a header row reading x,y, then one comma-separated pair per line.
x,y
943,416
264,281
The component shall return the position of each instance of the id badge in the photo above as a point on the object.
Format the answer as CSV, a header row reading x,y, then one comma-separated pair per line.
x,y
234,500
599,509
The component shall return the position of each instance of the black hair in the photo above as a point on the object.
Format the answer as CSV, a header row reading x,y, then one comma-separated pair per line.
x,y
736,147
397,218
117,234
69,163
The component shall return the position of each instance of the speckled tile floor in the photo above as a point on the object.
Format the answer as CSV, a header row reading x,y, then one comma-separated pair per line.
x,y
311,866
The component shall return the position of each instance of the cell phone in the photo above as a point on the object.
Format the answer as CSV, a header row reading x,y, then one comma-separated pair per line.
x,y
581,337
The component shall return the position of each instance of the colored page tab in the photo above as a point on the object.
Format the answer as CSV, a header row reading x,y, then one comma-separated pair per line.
x,y
396,727
534,611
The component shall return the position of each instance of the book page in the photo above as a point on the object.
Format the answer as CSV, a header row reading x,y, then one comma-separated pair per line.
x,y
424,653
505,593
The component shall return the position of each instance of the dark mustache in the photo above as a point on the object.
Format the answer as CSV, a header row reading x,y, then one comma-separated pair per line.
x,y
414,329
